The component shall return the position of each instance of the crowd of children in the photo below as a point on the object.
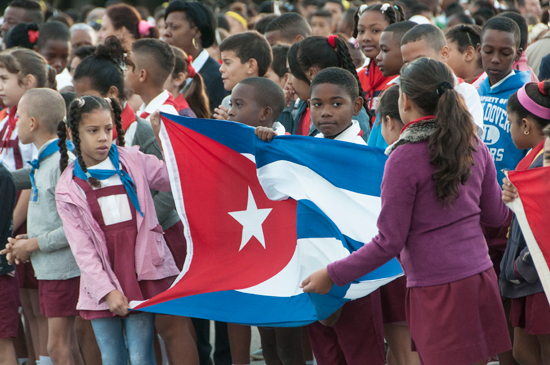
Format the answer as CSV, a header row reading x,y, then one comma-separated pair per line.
x,y
450,90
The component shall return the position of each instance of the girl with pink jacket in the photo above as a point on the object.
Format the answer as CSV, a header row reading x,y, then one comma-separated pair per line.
x,y
109,219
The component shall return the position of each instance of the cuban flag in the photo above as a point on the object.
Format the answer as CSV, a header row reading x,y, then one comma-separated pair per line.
x,y
531,210
260,217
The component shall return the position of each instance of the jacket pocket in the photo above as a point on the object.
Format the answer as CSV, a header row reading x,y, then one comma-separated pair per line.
x,y
157,251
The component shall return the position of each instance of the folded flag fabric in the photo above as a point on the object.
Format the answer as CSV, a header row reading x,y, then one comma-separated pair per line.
x,y
250,245
531,209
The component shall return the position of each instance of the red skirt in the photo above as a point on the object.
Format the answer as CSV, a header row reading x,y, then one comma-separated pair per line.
x,y
9,306
25,275
58,298
393,296
458,323
175,239
532,313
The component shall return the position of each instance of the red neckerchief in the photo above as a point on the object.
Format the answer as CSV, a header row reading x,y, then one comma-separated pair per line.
x,y
305,121
527,161
427,117
374,81
478,76
181,103
128,117
12,120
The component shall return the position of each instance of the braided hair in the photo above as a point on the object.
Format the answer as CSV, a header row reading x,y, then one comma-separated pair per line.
x,y
392,13
317,51
77,109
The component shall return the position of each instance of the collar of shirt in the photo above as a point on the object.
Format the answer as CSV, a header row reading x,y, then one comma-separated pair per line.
x,y
106,164
155,104
200,60
348,134
44,146
512,73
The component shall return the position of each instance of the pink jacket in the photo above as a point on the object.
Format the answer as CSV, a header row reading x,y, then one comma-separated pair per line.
x,y
153,258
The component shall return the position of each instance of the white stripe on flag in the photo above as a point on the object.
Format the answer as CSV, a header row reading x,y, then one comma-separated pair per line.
x,y
353,213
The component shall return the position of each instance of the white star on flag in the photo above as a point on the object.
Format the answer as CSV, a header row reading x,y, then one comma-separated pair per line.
x,y
251,219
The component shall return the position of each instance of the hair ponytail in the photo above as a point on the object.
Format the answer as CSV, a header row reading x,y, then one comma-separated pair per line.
x,y
62,143
195,94
429,84
117,119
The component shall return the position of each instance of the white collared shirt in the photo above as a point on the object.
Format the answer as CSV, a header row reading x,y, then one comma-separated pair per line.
x,y
350,134
114,208
157,104
7,157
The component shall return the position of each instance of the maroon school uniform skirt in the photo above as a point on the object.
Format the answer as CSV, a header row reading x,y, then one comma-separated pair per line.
x,y
356,338
9,306
58,298
532,313
175,240
121,241
25,272
393,296
458,323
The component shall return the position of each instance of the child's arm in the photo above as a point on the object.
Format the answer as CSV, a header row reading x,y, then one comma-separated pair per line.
x,y
21,208
265,133
22,179
493,211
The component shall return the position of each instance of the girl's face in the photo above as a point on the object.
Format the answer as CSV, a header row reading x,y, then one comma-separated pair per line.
x,y
370,26
301,88
107,29
96,136
456,61
10,89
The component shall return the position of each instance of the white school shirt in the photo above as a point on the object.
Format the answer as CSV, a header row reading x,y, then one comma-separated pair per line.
x,y
350,134
114,208
7,157
157,104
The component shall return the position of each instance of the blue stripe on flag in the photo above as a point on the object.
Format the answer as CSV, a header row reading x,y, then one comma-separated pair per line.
x,y
221,131
311,222
244,308
351,166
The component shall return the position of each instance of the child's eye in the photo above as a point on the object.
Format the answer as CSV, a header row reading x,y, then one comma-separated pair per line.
x,y
337,104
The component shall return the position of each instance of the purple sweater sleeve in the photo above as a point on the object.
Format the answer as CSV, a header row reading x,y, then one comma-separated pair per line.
x,y
493,210
399,186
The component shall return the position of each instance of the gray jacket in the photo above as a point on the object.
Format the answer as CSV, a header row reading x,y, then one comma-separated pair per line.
x,y
518,276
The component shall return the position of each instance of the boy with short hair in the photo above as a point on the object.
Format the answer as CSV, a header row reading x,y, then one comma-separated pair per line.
x,y
54,43
287,28
40,111
389,61
354,332
499,49
427,40
243,55
278,72
153,61
321,23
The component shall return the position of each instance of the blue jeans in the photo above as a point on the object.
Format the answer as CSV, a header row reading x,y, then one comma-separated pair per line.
x,y
109,333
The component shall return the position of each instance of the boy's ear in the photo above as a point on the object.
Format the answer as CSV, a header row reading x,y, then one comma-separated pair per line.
x,y
267,114
445,53
518,54
252,67
298,38
143,75
34,124
285,78
357,105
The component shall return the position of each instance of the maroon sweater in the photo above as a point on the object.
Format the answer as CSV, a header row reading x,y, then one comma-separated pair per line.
x,y
436,244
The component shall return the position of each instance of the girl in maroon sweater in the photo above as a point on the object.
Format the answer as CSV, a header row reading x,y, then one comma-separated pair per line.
x,y
439,184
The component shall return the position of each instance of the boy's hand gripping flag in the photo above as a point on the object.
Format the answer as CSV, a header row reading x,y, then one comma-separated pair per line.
x,y
532,211
247,254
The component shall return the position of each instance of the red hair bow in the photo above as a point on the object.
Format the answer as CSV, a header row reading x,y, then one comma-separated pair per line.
x,y
33,35
332,40
190,69
541,87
